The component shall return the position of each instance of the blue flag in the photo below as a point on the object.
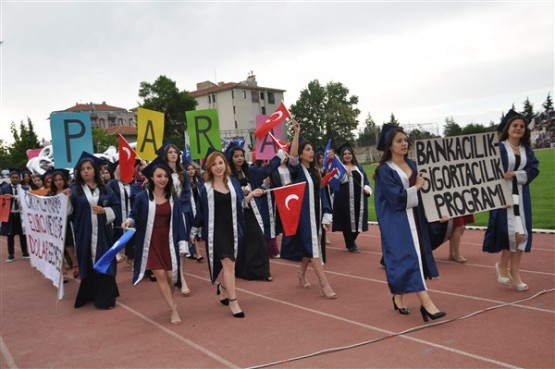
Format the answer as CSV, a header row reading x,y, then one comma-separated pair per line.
x,y
341,171
105,260
326,153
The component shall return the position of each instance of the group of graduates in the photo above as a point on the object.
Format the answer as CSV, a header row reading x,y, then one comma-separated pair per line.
x,y
231,208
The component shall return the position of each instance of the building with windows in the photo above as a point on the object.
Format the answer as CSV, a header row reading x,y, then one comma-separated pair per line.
x,y
237,103
111,119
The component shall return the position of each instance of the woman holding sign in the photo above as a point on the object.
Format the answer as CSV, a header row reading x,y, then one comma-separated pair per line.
x,y
95,207
156,215
305,244
406,248
510,230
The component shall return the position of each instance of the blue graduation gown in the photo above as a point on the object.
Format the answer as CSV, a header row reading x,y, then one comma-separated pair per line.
x,y
142,216
500,234
406,247
350,208
263,205
306,242
204,221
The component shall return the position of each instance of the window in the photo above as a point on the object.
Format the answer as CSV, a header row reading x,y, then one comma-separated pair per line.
x,y
120,122
209,99
244,94
234,111
254,96
232,94
213,97
271,98
261,95
263,110
101,123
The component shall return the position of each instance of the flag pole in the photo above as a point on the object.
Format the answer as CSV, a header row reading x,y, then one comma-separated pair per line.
x,y
282,187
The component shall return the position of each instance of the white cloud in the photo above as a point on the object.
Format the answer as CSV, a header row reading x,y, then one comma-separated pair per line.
x,y
421,61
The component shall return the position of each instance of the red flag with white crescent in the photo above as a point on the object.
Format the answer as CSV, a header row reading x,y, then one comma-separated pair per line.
x,y
289,201
329,176
273,120
126,160
279,144
5,204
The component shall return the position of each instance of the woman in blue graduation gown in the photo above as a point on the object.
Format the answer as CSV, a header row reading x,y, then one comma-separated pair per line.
x,y
510,230
160,233
406,248
304,246
220,220
350,205
94,208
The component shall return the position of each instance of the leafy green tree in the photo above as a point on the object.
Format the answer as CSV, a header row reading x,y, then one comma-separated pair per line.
x,y
417,134
326,112
164,96
548,104
393,120
369,134
451,128
102,140
24,139
474,128
528,109
4,155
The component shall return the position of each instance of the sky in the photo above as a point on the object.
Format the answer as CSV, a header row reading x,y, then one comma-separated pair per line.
x,y
421,61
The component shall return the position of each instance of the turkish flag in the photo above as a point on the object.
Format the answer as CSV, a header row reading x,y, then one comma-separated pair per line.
x,y
126,160
289,200
273,120
279,144
5,203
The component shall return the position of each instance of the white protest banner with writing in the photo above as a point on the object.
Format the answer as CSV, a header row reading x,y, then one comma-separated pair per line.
x,y
463,175
45,225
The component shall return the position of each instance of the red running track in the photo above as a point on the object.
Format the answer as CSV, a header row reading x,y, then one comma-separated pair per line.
x,y
488,325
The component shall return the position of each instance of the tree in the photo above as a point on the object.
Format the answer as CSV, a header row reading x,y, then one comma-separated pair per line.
x,y
451,128
474,128
102,140
393,120
370,133
164,96
24,139
417,134
326,112
528,110
548,104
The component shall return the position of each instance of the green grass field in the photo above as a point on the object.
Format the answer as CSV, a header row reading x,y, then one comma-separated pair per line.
x,y
542,191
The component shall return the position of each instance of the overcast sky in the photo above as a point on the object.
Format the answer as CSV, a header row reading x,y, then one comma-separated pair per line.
x,y
422,61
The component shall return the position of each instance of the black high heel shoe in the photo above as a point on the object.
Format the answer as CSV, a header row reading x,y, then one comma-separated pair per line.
x,y
224,301
426,314
403,310
238,314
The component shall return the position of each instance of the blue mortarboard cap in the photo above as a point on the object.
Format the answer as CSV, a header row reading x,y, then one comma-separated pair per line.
x,y
385,135
158,162
26,170
15,171
230,149
62,171
343,147
85,156
161,149
508,118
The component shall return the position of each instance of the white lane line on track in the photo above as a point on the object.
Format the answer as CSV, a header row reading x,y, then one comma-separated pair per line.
x,y
496,302
381,330
7,354
187,341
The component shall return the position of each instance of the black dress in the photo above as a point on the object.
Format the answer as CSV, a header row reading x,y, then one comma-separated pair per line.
x,y
253,262
223,223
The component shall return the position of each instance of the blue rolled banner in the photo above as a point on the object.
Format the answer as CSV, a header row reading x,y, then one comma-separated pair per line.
x,y
105,260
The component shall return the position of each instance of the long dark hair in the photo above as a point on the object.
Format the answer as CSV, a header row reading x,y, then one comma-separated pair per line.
x,y
352,151
53,190
386,156
168,190
525,140
178,167
313,169
244,167
97,178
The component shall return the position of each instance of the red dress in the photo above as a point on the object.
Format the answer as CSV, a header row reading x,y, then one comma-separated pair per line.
x,y
159,256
